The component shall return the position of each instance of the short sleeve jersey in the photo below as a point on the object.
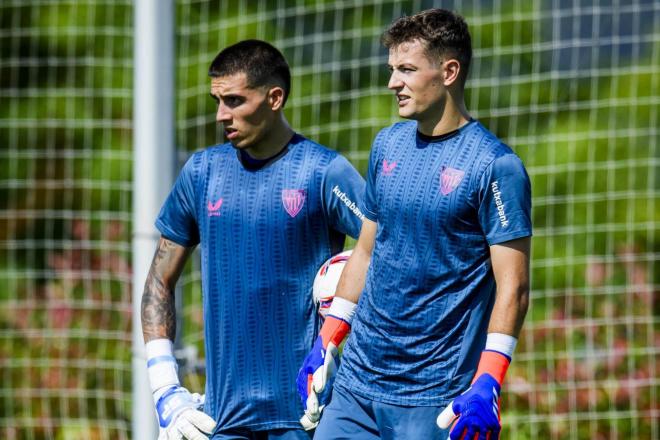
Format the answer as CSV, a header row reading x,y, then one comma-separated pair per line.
x,y
263,234
439,203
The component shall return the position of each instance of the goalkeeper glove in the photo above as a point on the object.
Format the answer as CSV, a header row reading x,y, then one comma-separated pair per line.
x,y
180,413
316,375
478,408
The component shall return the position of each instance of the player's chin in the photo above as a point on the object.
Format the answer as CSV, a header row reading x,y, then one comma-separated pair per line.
x,y
238,143
407,113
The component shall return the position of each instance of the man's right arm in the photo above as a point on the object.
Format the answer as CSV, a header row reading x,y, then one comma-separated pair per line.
x,y
158,311
353,277
179,411
316,375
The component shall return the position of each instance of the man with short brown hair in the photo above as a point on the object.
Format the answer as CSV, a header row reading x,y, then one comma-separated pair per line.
x,y
441,268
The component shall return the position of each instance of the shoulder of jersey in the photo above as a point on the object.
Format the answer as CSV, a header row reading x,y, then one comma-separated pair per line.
x,y
401,127
309,146
314,153
396,130
314,147
218,148
213,149
490,142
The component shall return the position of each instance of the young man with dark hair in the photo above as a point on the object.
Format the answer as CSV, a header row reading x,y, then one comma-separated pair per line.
x,y
441,268
265,210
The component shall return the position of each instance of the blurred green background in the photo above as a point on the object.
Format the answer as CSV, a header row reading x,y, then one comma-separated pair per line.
x,y
572,86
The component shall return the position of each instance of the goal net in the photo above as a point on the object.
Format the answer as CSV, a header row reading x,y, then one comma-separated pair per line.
x,y
574,88
65,212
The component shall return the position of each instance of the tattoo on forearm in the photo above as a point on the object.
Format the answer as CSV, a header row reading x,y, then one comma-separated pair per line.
x,y
158,306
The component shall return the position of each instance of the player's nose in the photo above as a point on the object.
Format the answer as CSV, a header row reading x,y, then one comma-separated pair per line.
x,y
222,115
395,82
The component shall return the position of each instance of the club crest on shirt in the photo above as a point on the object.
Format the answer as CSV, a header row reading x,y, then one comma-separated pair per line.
x,y
213,209
450,178
388,167
293,200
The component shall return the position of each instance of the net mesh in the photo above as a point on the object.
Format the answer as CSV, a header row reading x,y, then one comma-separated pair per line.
x,y
65,200
574,88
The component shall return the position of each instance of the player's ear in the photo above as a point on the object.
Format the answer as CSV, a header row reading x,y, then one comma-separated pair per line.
x,y
276,98
451,69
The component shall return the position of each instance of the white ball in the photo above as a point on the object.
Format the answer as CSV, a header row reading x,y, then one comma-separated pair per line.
x,y
325,283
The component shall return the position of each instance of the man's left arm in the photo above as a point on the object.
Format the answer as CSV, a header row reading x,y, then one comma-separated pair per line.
x,y
504,198
510,263
478,407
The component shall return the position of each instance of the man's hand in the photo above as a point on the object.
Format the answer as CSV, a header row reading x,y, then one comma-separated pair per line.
x,y
180,415
478,410
317,373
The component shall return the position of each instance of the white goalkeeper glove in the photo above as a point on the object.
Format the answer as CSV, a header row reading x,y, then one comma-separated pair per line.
x,y
180,414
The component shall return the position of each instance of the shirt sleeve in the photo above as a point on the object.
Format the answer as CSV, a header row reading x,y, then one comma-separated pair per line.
x,y
369,206
343,190
177,220
505,200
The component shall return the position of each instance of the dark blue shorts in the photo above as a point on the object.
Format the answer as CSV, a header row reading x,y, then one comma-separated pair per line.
x,y
274,434
350,417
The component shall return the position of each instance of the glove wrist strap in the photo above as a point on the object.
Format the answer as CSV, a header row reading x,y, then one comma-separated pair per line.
x,y
161,366
343,309
496,357
502,343
334,331
493,363
338,321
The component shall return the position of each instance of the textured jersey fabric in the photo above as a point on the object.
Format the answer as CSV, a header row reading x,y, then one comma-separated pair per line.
x,y
421,321
263,235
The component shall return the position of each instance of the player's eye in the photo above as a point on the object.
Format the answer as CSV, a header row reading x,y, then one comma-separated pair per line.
x,y
233,101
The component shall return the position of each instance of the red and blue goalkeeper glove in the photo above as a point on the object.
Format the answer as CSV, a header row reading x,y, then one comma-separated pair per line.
x,y
317,373
478,408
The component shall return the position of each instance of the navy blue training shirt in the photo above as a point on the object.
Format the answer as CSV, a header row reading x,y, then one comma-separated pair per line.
x,y
264,232
439,203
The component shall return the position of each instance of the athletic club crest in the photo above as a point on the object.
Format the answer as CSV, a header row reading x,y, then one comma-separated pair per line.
x,y
293,200
449,179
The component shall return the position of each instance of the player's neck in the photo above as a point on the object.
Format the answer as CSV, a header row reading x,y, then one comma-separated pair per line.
x,y
453,115
273,142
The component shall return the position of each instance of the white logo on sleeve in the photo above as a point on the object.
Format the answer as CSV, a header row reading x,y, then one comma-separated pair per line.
x,y
497,195
348,202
